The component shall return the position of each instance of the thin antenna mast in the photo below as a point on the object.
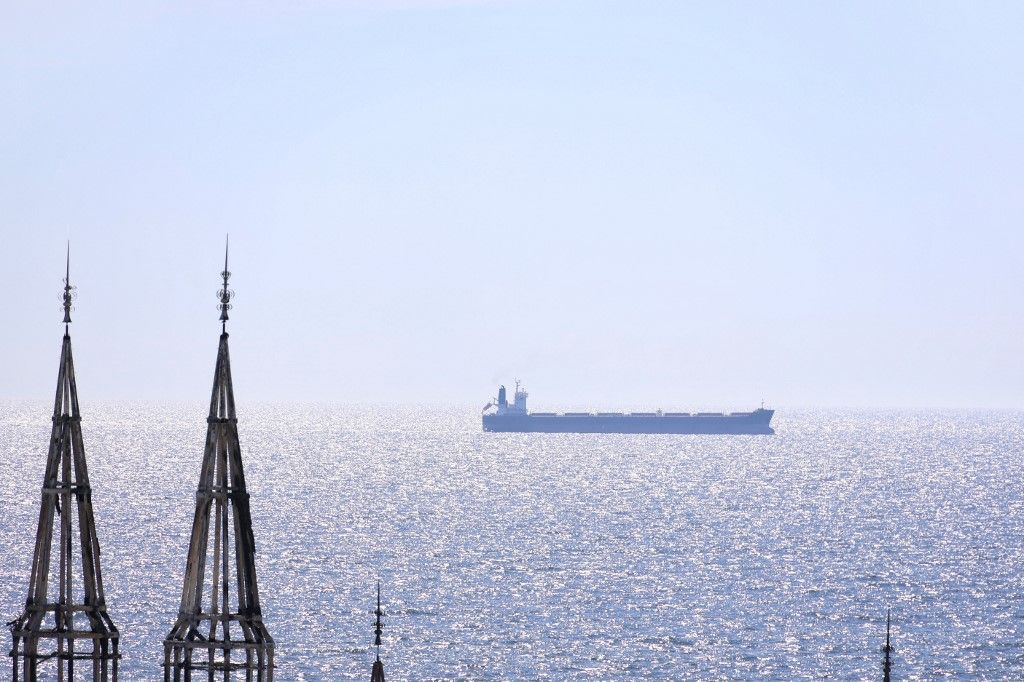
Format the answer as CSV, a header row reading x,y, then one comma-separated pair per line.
x,y
377,673
887,663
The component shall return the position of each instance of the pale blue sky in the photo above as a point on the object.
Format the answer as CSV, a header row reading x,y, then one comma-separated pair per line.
x,y
623,203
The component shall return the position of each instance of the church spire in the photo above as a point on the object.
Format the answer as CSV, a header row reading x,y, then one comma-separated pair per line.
x,y
65,624
224,614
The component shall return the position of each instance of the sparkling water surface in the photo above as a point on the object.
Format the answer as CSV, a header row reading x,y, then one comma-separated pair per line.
x,y
561,556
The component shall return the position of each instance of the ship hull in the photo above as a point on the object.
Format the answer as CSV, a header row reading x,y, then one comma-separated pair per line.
x,y
755,423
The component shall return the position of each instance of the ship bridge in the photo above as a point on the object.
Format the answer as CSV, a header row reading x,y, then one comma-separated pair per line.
x,y
518,405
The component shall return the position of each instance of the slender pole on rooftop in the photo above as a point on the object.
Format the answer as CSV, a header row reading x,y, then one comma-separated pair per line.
x,y
887,663
377,674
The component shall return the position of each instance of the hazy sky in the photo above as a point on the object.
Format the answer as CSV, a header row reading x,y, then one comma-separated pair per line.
x,y
687,205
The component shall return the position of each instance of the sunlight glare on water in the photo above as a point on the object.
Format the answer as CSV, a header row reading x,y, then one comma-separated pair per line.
x,y
561,556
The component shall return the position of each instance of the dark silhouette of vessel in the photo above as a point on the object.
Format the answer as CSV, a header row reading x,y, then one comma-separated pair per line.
x,y
500,415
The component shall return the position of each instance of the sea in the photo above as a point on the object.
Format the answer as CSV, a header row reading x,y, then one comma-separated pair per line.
x,y
566,556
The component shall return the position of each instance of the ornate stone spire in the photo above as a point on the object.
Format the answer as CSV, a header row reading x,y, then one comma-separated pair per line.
x,y
219,631
65,623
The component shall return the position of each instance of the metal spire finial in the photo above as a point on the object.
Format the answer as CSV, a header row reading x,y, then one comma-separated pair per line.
x,y
69,291
225,295
887,663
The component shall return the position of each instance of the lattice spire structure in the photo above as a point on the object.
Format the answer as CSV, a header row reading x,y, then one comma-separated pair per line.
x,y
65,620
220,630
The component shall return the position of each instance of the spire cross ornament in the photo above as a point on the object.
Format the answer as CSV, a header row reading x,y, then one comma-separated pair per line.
x,y
225,295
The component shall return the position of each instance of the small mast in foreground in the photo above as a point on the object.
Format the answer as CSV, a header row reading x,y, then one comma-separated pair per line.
x,y
377,675
887,649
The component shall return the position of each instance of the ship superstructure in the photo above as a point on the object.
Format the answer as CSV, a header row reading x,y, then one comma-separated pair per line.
x,y
500,415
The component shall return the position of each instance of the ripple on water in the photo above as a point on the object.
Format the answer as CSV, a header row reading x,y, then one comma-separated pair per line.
x,y
546,556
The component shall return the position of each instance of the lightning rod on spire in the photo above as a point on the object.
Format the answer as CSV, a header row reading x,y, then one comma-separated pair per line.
x,y
225,294
69,291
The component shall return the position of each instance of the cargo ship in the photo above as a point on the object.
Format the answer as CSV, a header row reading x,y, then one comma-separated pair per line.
x,y
500,415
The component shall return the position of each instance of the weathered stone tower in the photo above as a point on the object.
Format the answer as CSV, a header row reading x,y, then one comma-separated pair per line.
x,y
219,631
65,620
